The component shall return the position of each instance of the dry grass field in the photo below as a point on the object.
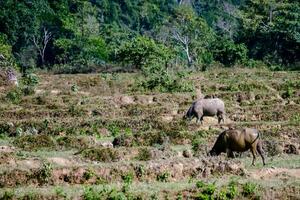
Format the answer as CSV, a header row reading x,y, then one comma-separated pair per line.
x,y
98,136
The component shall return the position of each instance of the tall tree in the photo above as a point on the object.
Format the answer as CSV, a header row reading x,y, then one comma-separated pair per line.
x,y
271,30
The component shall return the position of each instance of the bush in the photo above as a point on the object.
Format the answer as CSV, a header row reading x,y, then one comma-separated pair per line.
x,y
159,78
229,53
232,190
128,178
44,174
143,52
29,82
34,142
249,189
101,154
144,154
163,177
14,96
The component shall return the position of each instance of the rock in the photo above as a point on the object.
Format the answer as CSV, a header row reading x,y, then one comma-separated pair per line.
x,y
54,91
291,149
125,100
167,118
187,153
106,144
7,149
143,99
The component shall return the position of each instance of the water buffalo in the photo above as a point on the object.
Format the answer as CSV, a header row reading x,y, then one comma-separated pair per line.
x,y
206,107
238,140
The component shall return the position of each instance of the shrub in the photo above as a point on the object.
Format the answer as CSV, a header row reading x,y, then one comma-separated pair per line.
x,y
91,194
232,190
144,154
249,189
206,190
74,88
33,142
29,82
113,129
196,145
163,177
14,96
159,78
128,178
143,52
74,142
229,53
88,174
44,174
101,154
76,111
139,171
60,192
8,194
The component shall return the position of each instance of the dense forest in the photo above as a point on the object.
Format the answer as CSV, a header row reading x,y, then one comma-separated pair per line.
x,y
71,36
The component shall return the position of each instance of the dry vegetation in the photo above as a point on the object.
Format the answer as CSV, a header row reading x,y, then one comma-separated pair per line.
x,y
97,137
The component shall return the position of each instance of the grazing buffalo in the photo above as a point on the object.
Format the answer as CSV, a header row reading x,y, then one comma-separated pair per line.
x,y
238,140
206,107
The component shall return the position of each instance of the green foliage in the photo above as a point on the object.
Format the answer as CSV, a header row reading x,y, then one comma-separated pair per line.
x,y
229,53
140,171
143,52
163,177
249,189
29,82
128,178
197,143
207,191
232,190
5,49
144,154
60,192
91,193
271,30
88,174
74,88
114,129
14,95
8,195
86,35
44,174
192,37
34,142
101,154
159,78
75,110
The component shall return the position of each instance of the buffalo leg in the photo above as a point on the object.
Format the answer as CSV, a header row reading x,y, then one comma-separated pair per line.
x,y
220,118
261,152
230,153
253,151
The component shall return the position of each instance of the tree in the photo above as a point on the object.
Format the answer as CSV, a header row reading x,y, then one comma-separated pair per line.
x,y
271,30
82,42
41,43
191,33
142,52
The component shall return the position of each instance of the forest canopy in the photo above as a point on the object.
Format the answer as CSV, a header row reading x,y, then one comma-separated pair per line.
x,y
80,36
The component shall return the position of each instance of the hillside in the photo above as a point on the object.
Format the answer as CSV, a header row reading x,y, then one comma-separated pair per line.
x,y
57,143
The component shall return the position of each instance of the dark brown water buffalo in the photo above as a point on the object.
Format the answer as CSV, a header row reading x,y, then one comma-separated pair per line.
x,y
206,107
238,140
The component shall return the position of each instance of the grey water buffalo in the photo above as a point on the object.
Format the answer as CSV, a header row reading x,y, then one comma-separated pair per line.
x,y
206,107
239,140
